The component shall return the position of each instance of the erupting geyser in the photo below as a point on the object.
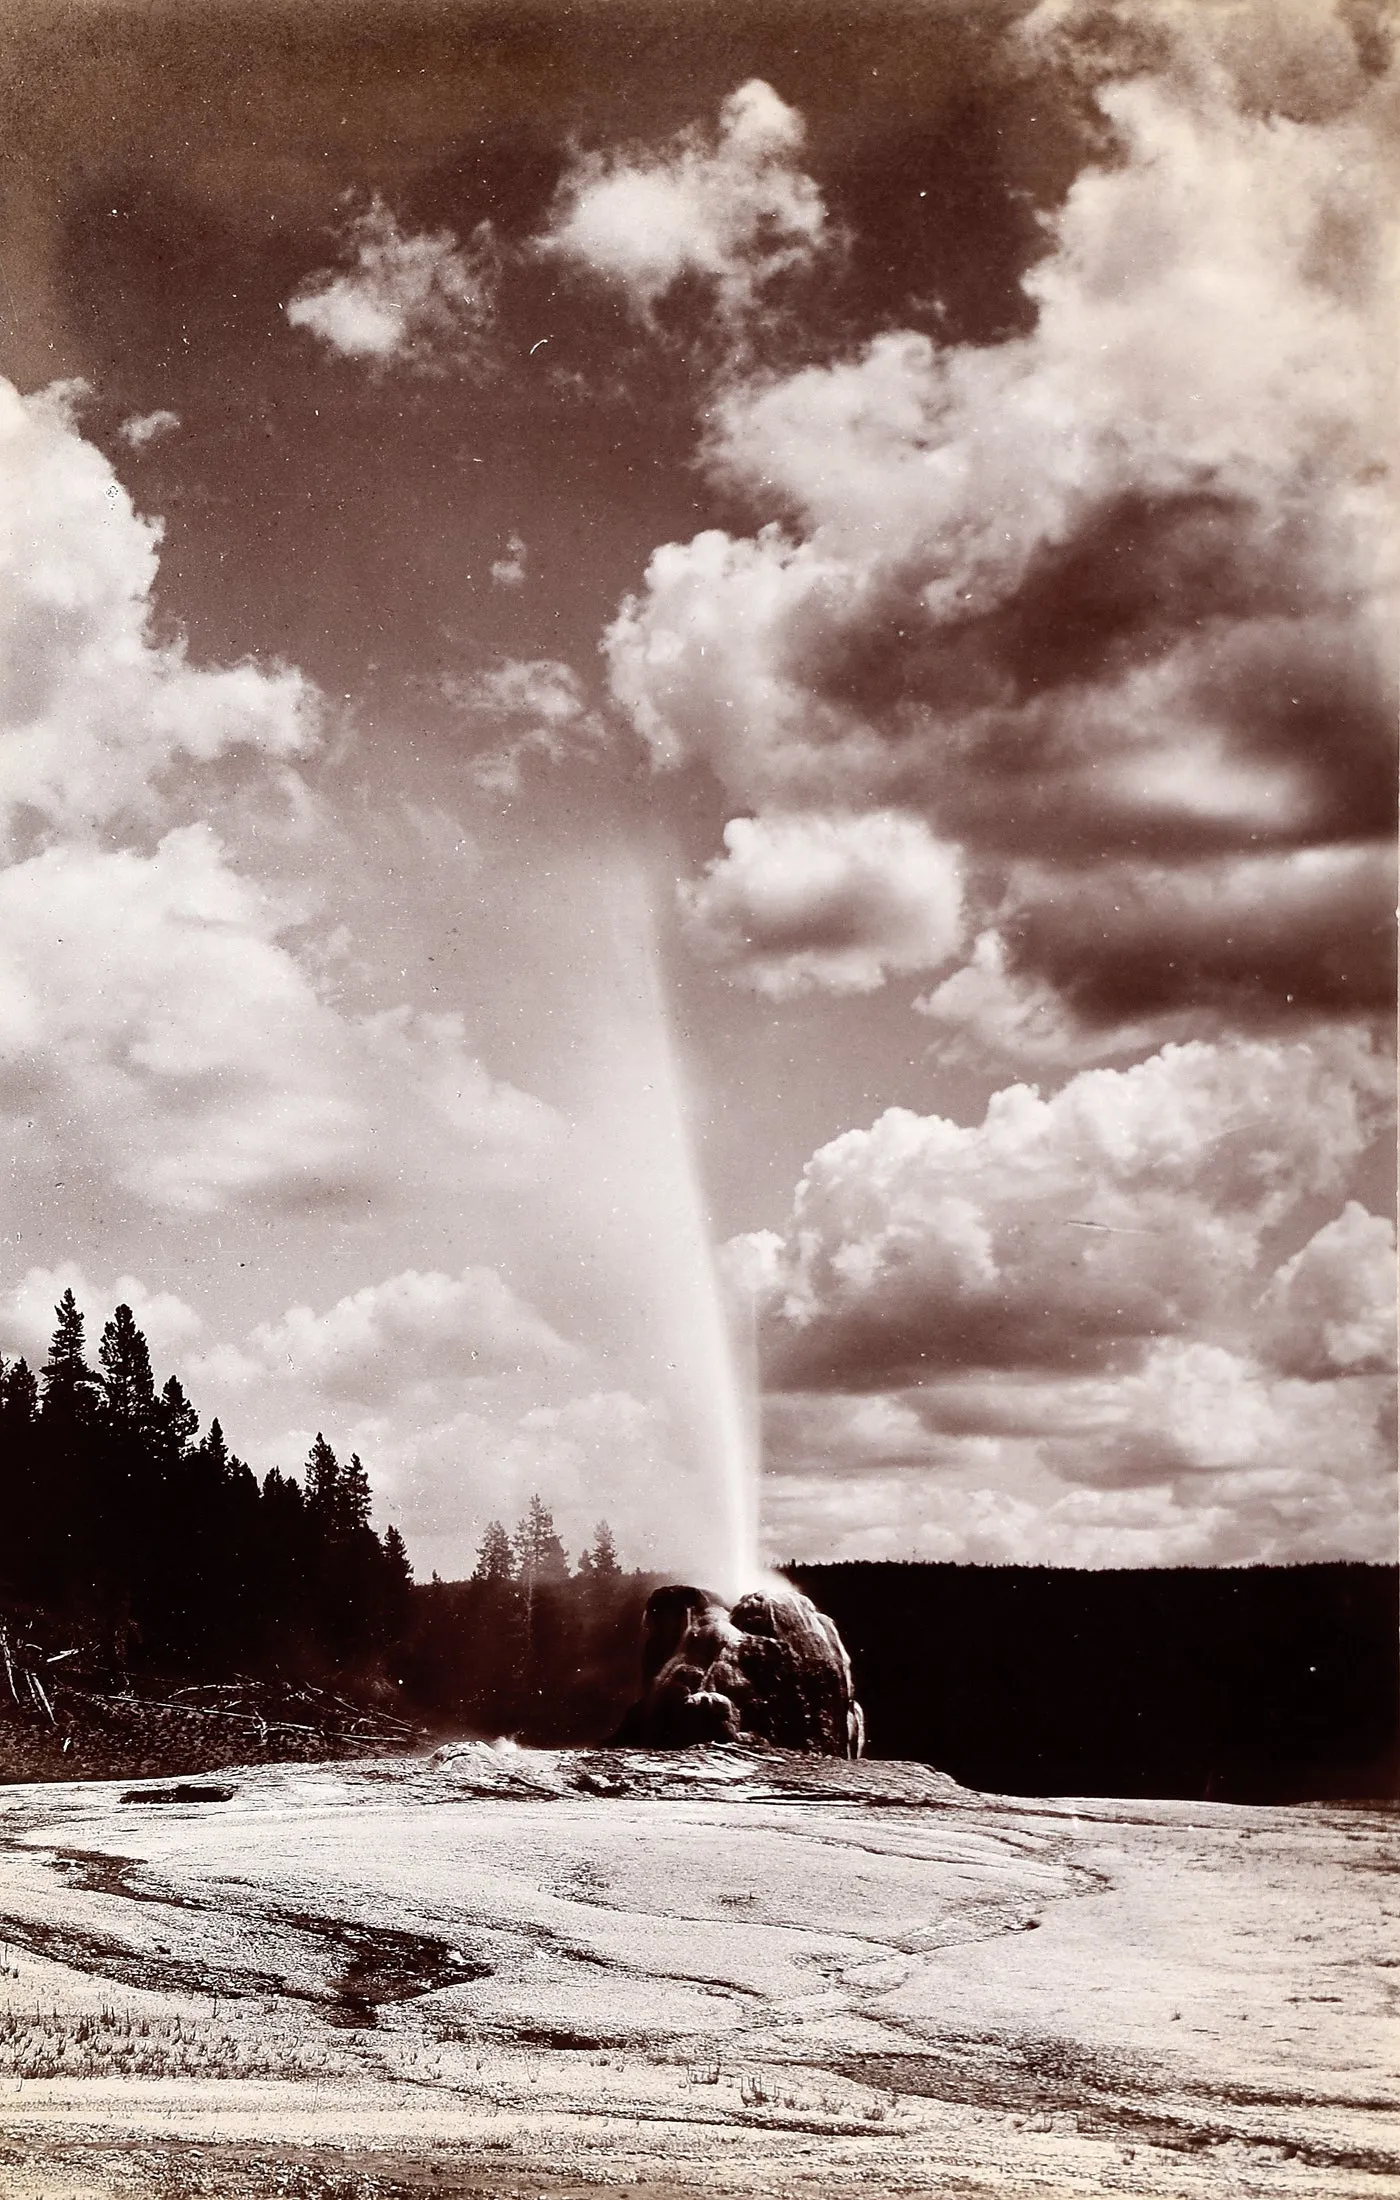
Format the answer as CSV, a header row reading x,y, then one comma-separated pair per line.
x,y
747,1657
651,1250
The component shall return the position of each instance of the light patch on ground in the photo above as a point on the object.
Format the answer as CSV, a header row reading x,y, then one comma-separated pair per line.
x,y
713,1971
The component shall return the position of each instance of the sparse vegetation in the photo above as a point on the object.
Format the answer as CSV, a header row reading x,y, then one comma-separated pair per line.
x,y
121,2043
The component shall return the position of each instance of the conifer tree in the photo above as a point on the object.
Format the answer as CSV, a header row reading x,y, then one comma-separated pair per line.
x,y
214,1451
322,1482
602,1561
177,1420
19,1397
70,1387
396,1586
353,1497
539,1554
496,1557
397,1562
127,1382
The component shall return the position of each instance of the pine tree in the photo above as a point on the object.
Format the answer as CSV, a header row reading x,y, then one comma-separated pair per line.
x,y
496,1557
70,1387
396,1587
396,1558
322,1482
177,1420
539,1554
602,1561
19,1397
353,1497
127,1381
214,1451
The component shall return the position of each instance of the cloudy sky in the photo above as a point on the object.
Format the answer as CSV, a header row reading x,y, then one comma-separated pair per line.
x,y
643,628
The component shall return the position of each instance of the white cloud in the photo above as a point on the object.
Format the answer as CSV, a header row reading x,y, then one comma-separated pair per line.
x,y
545,700
159,1035
510,571
733,210
157,1029
1063,1233
144,428
96,716
1117,589
421,299
988,1008
1054,1337
1331,1308
408,1338
803,901
154,1023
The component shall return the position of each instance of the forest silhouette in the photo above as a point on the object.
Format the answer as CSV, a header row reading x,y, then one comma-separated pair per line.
x,y
128,1529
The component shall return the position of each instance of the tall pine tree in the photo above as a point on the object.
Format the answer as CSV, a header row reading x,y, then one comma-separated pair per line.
x,y
128,1385
69,1385
539,1554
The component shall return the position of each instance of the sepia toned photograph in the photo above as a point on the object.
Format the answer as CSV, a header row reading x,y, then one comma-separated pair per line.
x,y
698,800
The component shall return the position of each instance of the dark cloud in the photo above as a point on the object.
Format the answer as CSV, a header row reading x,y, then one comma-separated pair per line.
x,y
1309,934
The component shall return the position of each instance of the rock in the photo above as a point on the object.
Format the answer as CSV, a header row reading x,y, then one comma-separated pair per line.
x,y
770,1669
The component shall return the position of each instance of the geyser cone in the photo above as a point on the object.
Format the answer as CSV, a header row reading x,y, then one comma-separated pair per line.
x,y
768,1668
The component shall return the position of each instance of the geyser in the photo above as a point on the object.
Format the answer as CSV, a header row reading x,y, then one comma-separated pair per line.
x,y
768,1668
652,1254
747,1657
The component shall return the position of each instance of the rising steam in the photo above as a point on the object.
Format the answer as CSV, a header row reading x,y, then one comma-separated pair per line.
x,y
653,1251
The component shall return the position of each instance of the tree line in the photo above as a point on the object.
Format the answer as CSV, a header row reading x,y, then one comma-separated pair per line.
x,y
121,1518
124,1522
525,1647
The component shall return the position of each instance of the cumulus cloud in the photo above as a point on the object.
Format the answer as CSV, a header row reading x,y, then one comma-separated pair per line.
x,y
149,1009
1331,1308
408,1337
1063,1335
418,299
803,901
153,1018
987,1010
1065,1233
731,209
543,702
1202,1455
159,1033
28,1312
96,716
1311,1477
1117,590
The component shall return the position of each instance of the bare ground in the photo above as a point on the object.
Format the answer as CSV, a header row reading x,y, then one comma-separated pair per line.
x,y
527,1973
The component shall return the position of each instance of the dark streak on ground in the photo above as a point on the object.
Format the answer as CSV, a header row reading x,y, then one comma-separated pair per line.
x,y
378,1963
189,2170
1048,2076
382,1964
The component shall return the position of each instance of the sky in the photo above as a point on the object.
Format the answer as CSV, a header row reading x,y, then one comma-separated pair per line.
x,y
700,699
